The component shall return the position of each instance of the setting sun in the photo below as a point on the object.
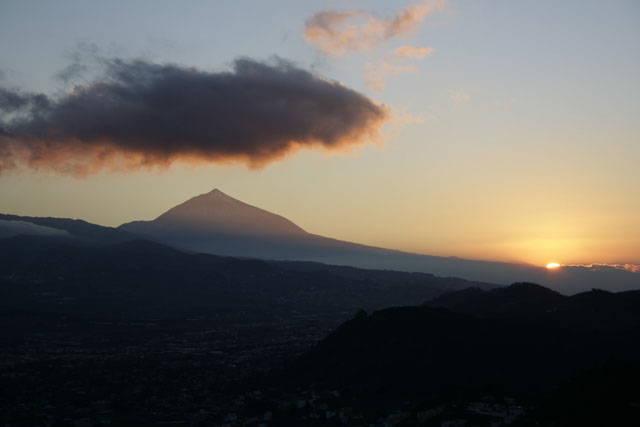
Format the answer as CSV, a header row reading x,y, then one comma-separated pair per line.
x,y
553,265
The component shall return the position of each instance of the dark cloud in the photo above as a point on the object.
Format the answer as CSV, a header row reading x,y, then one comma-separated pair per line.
x,y
144,114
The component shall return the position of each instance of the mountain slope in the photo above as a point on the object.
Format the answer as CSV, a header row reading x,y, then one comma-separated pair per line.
x,y
218,224
140,278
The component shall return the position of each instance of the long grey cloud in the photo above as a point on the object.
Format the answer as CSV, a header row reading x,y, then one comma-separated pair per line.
x,y
140,113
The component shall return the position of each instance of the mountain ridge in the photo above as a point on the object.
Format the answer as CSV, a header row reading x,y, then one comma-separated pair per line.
x,y
218,224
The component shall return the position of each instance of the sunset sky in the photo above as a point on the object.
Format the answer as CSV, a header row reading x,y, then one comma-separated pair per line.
x,y
497,130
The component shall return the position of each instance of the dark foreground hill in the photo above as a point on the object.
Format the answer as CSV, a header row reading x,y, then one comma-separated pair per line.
x,y
595,309
422,350
573,360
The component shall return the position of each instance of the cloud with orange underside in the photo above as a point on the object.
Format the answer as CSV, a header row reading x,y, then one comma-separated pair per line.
x,y
140,114
338,33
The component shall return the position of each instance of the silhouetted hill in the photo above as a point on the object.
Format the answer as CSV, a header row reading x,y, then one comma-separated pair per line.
x,y
522,300
527,301
608,396
425,351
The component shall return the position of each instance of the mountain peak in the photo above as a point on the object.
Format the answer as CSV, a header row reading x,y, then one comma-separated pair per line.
x,y
214,199
213,195
217,212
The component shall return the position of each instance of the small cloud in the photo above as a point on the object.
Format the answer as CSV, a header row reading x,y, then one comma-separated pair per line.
x,y
337,33
413,52
459,96
400,118
376,74
405,118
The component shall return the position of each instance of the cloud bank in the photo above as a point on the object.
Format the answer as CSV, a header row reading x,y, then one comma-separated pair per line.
x,y
145,114
337,33
633,268
14,228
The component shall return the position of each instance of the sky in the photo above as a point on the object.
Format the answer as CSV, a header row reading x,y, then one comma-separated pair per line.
x,y
493,130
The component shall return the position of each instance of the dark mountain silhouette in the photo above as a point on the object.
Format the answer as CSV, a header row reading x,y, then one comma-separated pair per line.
x,y
419,352
215,212
596,309
522,300
219,224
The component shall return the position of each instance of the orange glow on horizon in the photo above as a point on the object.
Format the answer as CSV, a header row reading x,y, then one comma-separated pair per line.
x,y
553,265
